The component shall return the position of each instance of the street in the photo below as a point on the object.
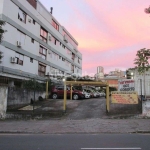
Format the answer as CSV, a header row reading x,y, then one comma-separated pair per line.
x,y
74,142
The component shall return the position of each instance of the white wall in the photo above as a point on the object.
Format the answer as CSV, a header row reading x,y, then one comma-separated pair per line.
x,y
12,37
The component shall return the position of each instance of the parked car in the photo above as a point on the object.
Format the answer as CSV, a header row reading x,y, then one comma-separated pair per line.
x,y
87,95
89,92
58,91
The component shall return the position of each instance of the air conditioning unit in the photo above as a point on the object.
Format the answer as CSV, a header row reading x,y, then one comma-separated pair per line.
x,y
47,73
12,59
50,37
18,43
65,39
29,20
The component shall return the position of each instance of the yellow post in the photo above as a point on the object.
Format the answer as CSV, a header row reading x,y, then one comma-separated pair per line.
x,y
47,89
71,92
107,99
65,97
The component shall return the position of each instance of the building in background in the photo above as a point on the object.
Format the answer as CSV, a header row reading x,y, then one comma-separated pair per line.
x,y
100,73
112,78
35,43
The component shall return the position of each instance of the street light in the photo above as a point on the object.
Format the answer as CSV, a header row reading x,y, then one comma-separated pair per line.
x,y
141,93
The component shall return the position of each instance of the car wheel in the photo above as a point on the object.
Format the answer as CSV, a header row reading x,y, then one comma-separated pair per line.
x,y
54,96
75,97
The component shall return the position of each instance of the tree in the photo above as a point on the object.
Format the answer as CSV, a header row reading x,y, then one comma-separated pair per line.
x,y
2,23
147,10
141,61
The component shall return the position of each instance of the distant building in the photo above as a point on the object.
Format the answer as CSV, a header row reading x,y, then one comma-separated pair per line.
x,y
112,78
100,73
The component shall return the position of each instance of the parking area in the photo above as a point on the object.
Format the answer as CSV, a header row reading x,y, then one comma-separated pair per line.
x,y
75,109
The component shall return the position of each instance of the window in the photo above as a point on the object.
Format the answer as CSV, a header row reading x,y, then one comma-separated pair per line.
x,y
63,59
55,25
55,41
34,21
79,60
22,16
73,56
33,3
32,40
43,34
43,52
31,60
72,68
21,37
63,46
19,59
55,56
41,70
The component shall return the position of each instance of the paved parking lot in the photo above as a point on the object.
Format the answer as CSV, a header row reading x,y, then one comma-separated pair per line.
x,y
75,109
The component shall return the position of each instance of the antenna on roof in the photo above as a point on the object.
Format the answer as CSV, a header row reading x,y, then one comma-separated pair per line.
x,y
51,10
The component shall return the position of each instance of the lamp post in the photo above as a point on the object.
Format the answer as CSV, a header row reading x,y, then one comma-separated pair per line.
x,y
141,93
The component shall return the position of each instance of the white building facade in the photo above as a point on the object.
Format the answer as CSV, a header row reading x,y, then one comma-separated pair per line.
x,y
35,43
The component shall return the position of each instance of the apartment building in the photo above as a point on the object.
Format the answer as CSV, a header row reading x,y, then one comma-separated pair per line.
x,y
35,44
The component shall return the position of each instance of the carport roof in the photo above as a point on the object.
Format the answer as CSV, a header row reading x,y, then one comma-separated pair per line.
x,y
99,83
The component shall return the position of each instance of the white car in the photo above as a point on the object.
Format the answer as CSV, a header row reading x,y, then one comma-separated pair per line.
x,y
87,95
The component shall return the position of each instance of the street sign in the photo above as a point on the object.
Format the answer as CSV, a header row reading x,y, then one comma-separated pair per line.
x,y
124,97
126,85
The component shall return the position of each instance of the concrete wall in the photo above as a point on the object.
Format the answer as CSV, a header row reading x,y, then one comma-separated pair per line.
x,y
146,108
18,96
3,101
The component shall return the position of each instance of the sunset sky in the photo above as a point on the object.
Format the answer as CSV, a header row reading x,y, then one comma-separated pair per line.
x,y
109,32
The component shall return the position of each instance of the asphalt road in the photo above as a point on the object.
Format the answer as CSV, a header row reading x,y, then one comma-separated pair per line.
x,y
89,108
75,142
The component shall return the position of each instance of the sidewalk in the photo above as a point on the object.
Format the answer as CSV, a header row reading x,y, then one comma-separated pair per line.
x,y
76,126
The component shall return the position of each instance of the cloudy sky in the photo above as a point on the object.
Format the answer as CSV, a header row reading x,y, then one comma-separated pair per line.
x,y
109,32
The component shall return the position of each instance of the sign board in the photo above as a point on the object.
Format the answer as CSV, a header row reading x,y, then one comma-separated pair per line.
x,y
126,85
124,97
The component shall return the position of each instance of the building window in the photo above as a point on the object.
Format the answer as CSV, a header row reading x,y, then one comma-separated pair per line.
x,y
43,52
72,68
55,56
32,40
63,46
21,37
79,60
33,3
55,25
73,56
63,59
34,21
55,41
43,34
19,59
41,70
31,60
22,16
